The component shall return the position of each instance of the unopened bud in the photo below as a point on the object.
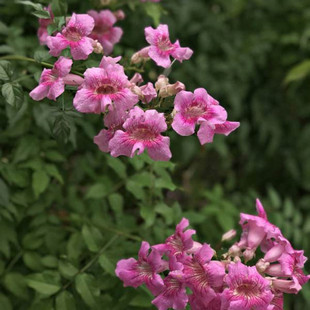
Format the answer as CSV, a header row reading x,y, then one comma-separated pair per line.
x,y
119,14
136,79
229,235
171,90
73,79
162,81
140,56
98,49
234,250
248,254
262,265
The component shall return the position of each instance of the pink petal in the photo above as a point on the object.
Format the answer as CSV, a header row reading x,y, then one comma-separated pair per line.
x,y
39,92
81,49
56,44
205,133
62,66
181,126
83,22
161,59
160,150
86,102
56,89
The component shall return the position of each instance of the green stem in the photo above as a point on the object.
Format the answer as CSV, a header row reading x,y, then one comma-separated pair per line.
x,y
91,262
42,63
14,260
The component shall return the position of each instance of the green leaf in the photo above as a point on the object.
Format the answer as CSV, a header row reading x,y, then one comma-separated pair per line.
x,y
92,238
16,284
42,14
65,301
96,191
53,171
6,70
41,55
106,264
4,194
5,303
61,129
59,7
36,6
13,94
46,283
298,72
55,156
27,146
147,212
33,261
66,269
40,181
88,288
154,11
118,166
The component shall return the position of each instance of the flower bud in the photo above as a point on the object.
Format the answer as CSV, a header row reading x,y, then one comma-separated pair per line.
x,y
73,79
262,265
171,90
98,49
119,14
136,79
229,235
162,81
140,56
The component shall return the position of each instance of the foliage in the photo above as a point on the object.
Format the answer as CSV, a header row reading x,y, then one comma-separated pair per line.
x,y
69,212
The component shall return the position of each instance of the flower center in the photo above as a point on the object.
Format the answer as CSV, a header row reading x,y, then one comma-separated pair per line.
x,y
143,133
195,110
72,34
164,44
247,290
106,89
145,269
196,274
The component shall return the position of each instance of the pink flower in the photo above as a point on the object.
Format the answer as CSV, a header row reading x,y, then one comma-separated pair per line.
x,y
198,108
75,35
44,22
247,289
173,295
114,120
142,271
292,264
161,48
199,303
256,230
104,31
52,82
146,93
103,87
142,131
202,275
180,243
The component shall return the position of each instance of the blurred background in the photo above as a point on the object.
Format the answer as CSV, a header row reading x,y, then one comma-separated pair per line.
x,y
251,55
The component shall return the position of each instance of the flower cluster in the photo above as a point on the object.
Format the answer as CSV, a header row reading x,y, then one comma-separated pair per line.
x,y
135,114
83,33
171,269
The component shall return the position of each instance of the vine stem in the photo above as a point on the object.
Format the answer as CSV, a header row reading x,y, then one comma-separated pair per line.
x,y
91,262
42,63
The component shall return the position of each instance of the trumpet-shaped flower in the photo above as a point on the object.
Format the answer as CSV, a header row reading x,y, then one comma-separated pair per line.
x,y
142,130
200,108
142,271
103,87
104,30
247,289
173,294
74,35
180,243
52,81
202,275
161,47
